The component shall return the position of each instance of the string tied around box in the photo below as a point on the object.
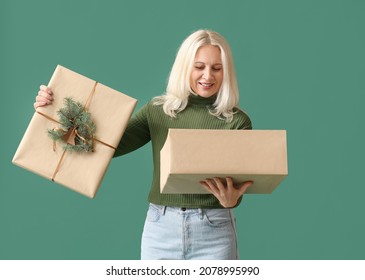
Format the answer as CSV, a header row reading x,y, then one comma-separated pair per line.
x,y
78,130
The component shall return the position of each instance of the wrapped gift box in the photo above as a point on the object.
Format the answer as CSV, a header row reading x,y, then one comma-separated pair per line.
x,y
79,171
192,155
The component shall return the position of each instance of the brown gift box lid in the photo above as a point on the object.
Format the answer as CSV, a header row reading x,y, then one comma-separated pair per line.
x,y
81,172
192,155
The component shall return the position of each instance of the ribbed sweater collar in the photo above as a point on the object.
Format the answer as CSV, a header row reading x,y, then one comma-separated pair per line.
x,y
198,100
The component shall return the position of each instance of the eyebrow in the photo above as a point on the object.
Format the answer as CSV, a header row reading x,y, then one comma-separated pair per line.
x,y
205,63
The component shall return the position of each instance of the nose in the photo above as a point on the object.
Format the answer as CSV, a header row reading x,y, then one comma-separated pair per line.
x,y
207,75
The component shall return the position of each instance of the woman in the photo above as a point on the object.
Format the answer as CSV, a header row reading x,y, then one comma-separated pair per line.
x,y
202,93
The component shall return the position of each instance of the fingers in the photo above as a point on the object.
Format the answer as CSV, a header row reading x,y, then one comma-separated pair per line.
x,y
210,187
205,185
227,194
229,182
44,97
242,189
45,89
45,94
216,186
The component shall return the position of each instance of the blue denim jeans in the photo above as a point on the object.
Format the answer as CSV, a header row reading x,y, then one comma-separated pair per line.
x,y
172,233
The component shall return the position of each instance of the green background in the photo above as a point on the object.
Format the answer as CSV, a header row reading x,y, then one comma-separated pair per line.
x,y
300,67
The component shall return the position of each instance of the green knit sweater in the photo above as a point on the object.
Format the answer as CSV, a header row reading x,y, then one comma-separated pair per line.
x,y
151,123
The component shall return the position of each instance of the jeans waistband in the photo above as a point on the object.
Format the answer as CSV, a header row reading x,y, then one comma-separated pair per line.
x,y
179,210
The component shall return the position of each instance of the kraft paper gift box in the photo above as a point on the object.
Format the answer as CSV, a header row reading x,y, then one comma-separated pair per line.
x,y
80,171
192,155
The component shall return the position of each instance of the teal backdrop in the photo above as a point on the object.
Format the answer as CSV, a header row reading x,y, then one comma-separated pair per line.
x,y
300,67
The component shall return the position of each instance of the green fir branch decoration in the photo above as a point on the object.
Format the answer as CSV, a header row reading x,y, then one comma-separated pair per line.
x,y
78,129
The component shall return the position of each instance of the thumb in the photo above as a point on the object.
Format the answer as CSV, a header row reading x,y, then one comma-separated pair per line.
x,y
242,189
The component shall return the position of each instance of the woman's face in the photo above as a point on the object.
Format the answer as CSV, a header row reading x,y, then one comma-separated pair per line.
x,y
207,73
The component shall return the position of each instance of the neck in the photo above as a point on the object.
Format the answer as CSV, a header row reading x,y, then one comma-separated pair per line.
x,y
201,101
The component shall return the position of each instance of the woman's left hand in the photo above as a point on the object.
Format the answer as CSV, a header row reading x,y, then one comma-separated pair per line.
x,y
227,195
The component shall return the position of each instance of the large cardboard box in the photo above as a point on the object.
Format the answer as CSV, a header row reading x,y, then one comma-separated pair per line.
x,y
79,171
192,155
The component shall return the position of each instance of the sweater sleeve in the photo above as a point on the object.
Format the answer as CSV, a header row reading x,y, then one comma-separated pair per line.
x,y
244,121
136,134
247,124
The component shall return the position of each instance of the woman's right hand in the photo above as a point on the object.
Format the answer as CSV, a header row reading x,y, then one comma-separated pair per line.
x,y
44,97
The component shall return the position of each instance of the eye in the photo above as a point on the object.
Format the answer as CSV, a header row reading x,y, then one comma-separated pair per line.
x,y
199,67
216,69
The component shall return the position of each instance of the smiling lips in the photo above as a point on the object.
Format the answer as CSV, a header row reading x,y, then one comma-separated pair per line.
x,y
206,85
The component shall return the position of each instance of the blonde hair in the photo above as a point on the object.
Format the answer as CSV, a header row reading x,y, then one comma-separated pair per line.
x,y
178,88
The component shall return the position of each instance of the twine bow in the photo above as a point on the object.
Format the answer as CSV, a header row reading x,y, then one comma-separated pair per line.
x,y
73,136
78,129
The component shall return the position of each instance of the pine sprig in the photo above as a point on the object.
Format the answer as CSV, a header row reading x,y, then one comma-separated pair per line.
x,y
73,117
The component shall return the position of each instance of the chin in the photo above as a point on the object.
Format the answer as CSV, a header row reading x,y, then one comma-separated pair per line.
x,y
206,94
